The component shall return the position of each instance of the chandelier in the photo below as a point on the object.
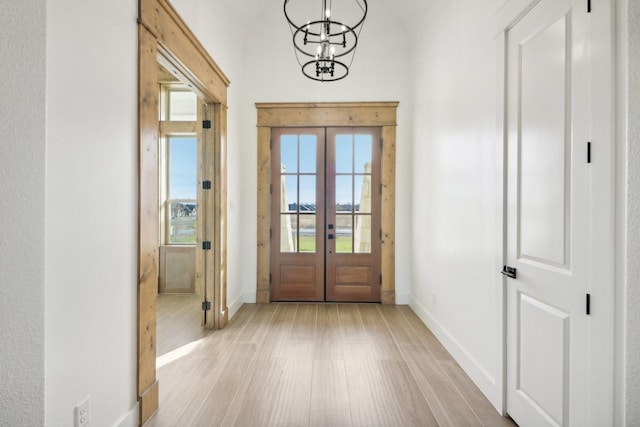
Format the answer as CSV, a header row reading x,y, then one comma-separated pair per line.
x,y
325,46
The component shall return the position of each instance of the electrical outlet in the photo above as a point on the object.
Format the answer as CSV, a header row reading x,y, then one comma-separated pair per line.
x,y
82,413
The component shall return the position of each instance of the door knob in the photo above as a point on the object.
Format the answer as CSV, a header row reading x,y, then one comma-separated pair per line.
x,y
509,271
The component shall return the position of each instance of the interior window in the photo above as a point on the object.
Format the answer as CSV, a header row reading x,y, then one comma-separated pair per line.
x,y
182,182
178,165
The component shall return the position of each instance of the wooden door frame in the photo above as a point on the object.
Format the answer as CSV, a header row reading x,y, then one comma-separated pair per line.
x,y
345,114
161,31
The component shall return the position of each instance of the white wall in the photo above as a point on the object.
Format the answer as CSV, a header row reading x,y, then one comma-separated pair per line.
x,y
632,351
380,72
457,185
22,195
91,210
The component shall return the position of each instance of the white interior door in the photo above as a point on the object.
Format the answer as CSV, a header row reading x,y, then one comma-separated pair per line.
x,y
548,216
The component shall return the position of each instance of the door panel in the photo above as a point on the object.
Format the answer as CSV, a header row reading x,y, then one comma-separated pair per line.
x,y
547,217
353,214
297,255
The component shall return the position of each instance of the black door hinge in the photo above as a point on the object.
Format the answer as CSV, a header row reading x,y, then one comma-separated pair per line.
x,y
588,6
381,280
206,124
381,234
588,303
269,278
588,152
206,245
206,185
206,305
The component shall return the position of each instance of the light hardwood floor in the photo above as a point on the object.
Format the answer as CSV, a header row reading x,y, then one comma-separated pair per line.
x,y
310,365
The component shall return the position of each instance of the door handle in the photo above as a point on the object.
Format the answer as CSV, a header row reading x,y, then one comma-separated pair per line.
x,y
509,271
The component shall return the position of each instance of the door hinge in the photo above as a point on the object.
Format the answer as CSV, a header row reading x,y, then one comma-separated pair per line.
x,y
588,6
588,152
206,305
206,185
381,280
206,124
269,278
206,245
381,234
588,304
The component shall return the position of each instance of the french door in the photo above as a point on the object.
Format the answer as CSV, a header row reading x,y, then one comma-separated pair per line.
x,y
325,214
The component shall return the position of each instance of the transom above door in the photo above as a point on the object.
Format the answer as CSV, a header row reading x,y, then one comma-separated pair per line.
x,y
325,214
380,115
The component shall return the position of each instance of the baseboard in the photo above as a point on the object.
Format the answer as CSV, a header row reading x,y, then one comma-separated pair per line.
x,y
235,306
249,297
485,382
131,418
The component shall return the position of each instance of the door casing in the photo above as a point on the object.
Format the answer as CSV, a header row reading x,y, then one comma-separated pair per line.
x,y
161,32
374,114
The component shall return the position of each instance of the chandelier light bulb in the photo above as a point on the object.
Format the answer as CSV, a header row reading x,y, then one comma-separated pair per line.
x,y
327,13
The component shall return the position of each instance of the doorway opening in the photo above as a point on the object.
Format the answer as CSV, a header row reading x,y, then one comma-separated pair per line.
x,y
342,125
163,38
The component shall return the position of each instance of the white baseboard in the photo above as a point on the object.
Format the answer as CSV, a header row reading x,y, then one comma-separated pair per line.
x,y
485,382
131,418
235,306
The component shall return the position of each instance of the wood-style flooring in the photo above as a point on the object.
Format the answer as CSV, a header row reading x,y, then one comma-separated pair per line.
x,y
310,365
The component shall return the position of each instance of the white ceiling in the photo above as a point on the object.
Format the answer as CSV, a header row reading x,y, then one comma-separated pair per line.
x,y
408,12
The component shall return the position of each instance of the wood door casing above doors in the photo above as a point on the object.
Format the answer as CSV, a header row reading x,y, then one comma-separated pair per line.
x,y
381,114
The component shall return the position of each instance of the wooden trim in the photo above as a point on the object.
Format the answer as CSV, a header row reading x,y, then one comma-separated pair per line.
x,y
162,33
162,20
330,114
176,128
381,114
388,267
149,402
148,224
264,215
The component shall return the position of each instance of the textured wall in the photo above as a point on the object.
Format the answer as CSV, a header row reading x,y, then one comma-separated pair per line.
x,y
633,222
22,197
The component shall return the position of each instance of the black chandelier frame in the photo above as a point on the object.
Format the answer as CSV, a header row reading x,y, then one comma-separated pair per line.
x,y
319,39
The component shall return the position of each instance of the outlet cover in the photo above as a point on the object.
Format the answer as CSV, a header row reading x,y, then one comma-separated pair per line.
x,y
82,413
